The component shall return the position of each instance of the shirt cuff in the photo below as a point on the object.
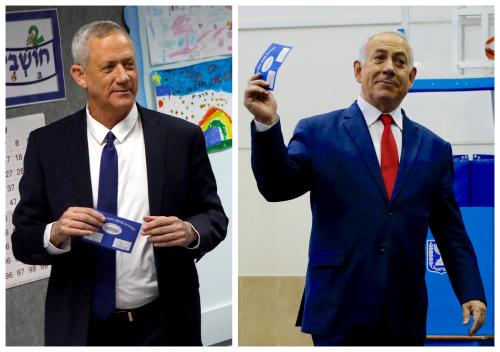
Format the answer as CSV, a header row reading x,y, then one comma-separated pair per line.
x,y
261,127
194,244
51,249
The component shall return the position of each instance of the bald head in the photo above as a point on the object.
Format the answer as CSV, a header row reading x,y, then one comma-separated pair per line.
x,y
398,35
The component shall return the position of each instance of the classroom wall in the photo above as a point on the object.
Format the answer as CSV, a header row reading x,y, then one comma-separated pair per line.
x,y
215,268
25,303
317,77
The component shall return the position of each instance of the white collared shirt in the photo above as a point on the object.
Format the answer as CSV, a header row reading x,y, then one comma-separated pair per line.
x,y
136,282
376,127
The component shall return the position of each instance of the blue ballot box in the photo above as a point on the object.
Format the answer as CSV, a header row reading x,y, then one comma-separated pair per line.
x,y
445,312
462,180
482,180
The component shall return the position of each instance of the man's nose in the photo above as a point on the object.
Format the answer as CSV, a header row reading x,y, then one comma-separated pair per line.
x,y
121,74
388,68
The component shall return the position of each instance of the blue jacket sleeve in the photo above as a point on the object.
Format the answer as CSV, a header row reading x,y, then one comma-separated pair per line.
x,y
31,215
282,173
209,220
454,244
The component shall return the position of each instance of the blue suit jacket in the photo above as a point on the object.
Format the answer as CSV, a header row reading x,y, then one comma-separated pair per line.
x,y
180,183
363,248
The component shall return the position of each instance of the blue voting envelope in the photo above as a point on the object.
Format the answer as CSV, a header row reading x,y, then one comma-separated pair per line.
x,y
271,61
117,233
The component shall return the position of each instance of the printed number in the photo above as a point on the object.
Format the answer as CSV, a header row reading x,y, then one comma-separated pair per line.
x,y
8,260
16,142
9,275
32,269
20,272
20,171
6,232
43,267
7,246
10,187
8,158
19,157
8,173
13,201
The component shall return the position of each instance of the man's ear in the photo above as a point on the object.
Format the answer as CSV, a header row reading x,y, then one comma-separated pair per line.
x,y
357,70
78,74
413,74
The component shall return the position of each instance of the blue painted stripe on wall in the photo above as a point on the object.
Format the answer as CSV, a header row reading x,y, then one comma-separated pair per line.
x,y
453,84
131,17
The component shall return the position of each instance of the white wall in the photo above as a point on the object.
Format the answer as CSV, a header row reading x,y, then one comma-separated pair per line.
x,y
317,77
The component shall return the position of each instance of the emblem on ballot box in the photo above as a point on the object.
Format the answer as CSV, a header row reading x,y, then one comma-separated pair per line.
x,y
434,260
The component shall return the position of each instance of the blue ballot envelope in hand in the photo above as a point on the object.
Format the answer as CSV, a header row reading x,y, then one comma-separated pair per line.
x,y
271,61
117,233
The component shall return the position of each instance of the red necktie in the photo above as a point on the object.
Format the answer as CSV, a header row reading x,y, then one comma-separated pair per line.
x,y
389,161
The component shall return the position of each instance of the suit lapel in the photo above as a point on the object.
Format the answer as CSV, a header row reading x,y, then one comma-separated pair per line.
x,y
154,142
79,159
355,125
411,144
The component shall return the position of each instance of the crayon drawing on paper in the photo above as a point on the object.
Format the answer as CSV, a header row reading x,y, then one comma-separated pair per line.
x,y
200,94
178,33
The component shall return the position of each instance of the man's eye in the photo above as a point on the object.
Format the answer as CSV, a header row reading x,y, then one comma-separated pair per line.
x,y
401,60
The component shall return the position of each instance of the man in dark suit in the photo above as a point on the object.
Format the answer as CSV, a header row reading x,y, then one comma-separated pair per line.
x,y
117,157
378,181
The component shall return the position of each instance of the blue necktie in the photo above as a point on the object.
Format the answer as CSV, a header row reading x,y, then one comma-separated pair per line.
x,y
107,199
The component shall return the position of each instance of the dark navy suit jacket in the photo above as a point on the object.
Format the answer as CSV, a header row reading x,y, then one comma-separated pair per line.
x,y
363,248
180,183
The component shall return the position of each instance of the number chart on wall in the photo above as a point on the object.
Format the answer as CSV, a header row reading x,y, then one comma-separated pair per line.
x,y
17,131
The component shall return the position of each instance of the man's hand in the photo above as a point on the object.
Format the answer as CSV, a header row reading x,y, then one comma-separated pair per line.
x,y
76,221
168,231
478,310
259,101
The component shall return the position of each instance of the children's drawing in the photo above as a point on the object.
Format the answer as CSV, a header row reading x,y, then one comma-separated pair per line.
x,y
200,94
178,33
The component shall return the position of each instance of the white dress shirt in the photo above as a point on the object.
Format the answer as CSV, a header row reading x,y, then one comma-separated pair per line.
x,y
375,126
136,282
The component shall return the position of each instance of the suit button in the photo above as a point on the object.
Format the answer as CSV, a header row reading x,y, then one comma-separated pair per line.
x,y
382,249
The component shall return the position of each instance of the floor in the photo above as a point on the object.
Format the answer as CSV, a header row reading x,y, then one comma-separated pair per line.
x,y
267,310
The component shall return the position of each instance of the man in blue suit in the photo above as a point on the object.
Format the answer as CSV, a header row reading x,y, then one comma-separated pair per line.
x,y
119,157
377,182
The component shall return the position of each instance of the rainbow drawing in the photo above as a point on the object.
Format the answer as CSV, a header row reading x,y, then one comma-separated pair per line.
x,y
218,129
201,94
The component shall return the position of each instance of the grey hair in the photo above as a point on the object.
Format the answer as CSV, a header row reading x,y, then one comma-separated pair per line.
x,y
99,29
362,49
